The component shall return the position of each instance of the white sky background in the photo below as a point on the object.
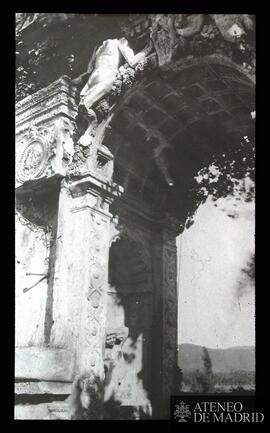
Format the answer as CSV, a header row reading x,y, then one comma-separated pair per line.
x,y
214,249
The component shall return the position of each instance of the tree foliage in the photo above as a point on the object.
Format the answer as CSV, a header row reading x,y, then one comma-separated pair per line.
x,y
234,381
49,45
227,173
34,53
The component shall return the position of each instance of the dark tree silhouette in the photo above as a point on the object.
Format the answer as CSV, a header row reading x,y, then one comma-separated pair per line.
x,y
207,363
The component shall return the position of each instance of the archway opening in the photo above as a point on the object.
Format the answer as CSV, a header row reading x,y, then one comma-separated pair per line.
x,y
128,331
173,132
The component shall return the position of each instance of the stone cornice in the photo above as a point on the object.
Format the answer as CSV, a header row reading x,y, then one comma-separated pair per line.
x,y
44,105
62,84
90,183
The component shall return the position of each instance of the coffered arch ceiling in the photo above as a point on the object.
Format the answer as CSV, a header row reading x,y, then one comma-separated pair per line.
x,y
187,114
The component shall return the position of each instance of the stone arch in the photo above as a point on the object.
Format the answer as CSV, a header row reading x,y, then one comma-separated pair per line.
x,y
200,107
168,122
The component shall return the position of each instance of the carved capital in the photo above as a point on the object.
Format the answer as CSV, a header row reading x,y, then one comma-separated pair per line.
x,y
170,227
100,193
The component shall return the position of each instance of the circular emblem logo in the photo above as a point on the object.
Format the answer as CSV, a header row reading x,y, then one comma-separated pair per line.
x,y
33,161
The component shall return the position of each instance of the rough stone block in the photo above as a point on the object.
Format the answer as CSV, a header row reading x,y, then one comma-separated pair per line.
x,y
44,364
31,411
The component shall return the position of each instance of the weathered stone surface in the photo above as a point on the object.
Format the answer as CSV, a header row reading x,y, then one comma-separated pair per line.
x,y
44,129
44,363
32,252
55,100
59,410
43,411
79,318
31,411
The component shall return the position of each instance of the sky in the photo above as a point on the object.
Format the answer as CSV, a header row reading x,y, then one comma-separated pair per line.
x,y
212,312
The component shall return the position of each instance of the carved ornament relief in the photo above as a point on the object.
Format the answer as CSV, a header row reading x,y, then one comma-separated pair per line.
x,y
33,161
44,151
95,297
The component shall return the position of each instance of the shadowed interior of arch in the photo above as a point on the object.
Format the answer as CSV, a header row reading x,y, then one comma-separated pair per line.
x,y
129,311
173,124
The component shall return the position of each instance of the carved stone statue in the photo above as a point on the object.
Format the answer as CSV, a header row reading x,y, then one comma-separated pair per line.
x,y
163,37
103,68
233,27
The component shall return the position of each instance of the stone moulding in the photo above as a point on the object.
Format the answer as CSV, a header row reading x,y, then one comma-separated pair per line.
x,y
62,84
93,184
43,387
54,100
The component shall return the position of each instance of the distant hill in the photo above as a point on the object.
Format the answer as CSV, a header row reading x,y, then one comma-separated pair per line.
x,y
241,358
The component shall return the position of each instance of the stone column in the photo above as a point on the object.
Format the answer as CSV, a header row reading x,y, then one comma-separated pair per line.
x,y
165,316
81,271
170,308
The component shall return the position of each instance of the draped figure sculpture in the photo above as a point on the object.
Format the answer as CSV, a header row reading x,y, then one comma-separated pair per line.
x,y
103,68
